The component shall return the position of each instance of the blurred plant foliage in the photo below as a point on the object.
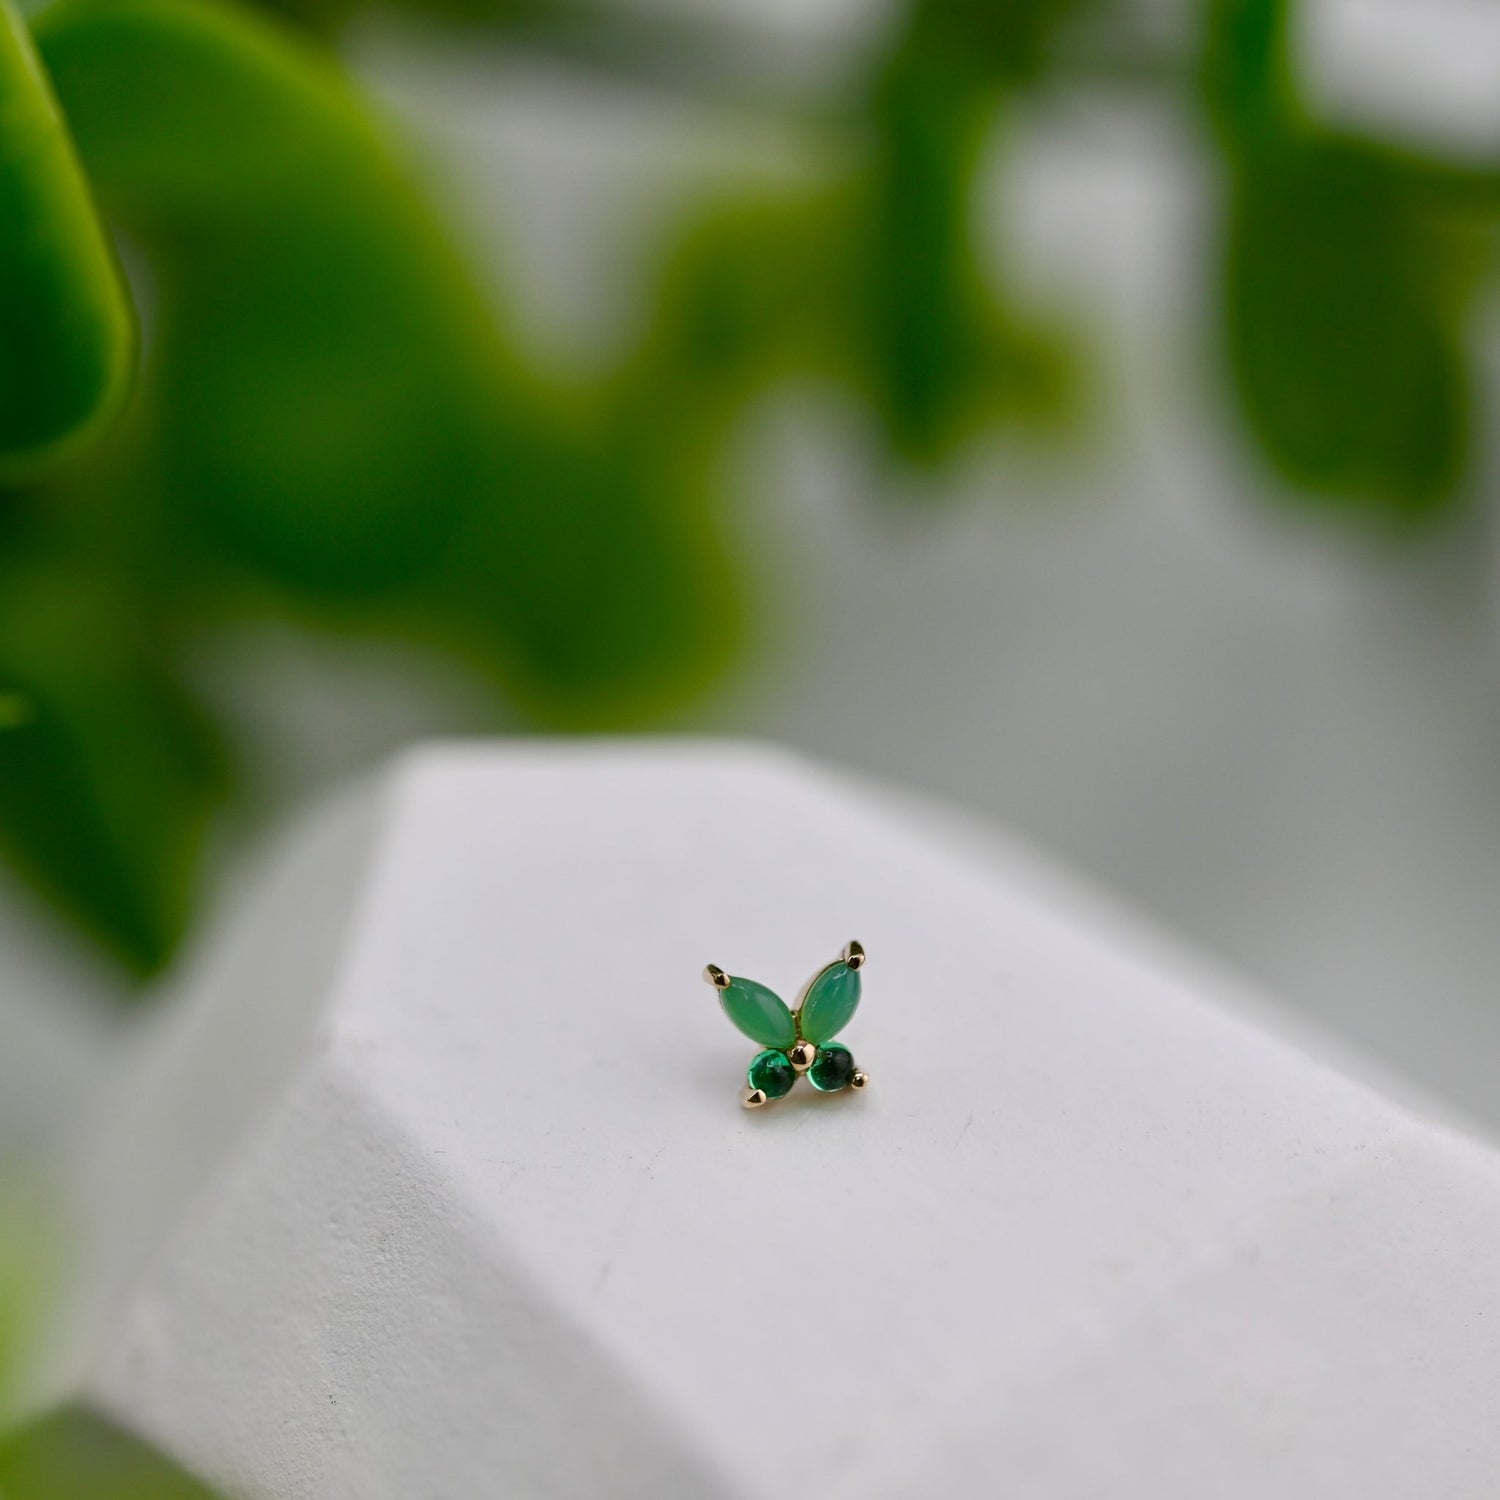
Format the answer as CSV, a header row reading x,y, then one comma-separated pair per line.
x,y
75,1454
71,1453
25,1248
1349,268
331,423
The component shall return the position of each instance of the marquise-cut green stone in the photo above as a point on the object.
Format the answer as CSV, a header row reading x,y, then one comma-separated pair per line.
x,y
760,1013
832,998
832,1070
772,1074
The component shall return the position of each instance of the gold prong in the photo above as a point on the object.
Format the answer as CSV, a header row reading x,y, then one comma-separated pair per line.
x,y
752,1098
859,1080
715,976
854,954
802,1056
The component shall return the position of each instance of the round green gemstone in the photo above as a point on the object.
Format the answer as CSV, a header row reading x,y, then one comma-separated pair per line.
x,y
772,1074
760,1013
831,1000
832,1070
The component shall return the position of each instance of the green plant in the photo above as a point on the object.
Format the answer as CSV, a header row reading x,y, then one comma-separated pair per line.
x,y
66,328
70,1453
1349,270
77,1454
332,424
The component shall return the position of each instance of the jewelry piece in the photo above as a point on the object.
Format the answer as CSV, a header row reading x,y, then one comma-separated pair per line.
x,y
796,1041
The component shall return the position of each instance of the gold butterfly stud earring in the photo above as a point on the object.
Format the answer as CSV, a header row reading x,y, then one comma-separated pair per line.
x,y
796,1042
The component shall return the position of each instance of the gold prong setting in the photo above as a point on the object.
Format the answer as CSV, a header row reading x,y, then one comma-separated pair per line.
x,y
714,975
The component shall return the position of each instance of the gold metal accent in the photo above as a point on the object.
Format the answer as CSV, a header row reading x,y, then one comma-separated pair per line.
x,y
715,976
858,1080
854,954
802,1056
752,1098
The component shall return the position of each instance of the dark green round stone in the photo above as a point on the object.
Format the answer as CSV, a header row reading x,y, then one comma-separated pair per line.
x,y
832,1070
772,1074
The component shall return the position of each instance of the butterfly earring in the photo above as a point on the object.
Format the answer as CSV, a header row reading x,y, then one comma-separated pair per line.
x,y
796,1041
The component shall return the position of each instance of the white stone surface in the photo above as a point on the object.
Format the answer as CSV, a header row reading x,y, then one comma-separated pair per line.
x,y
503,1229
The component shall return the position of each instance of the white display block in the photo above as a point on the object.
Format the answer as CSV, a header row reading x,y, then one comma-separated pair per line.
x,y
497,1225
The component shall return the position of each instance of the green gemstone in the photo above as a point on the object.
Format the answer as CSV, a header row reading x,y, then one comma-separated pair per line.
x,y
832,998
832,1070
760,1013
772,1074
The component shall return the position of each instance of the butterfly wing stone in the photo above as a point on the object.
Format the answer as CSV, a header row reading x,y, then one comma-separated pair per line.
x,y
830,1003
759,1012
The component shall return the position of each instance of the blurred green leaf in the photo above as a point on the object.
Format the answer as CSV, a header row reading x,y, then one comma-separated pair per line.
x,y
330,408
755,286
106,788
322,392
1347,272
1011,43
333,406
1246,69
72,1454
939,360
15,710
1345,349
29,1256
605,598
78,1455
928,312
67,335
